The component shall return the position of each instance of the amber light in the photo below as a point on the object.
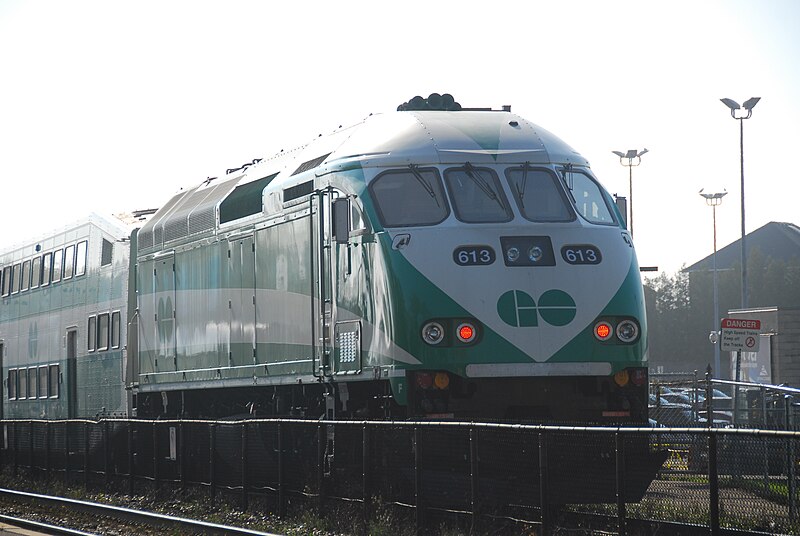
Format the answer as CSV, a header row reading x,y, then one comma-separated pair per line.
x,y
602,330
621,378
441,380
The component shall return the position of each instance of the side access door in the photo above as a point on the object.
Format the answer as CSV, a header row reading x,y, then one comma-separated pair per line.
x,y
336,338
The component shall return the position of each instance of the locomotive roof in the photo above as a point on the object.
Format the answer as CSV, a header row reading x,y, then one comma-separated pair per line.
x,y
391,139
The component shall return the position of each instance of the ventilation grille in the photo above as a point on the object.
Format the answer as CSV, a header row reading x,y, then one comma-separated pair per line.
x,y
190,213
296,192
311,164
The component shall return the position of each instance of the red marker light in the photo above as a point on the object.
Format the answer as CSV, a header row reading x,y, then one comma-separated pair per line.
x,y
602,330
466,332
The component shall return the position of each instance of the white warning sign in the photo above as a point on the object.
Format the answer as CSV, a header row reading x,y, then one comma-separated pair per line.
x,y
740,335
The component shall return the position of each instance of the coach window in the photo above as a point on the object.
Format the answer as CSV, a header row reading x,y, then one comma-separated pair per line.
x,y
32,382
58,256
476,194
36,272
106,253
115,329
22,384
54,377
12,384
26,275
69,262
102,332
47,268
80,258
409,197
6,280
91,334
589,200
43,385
15,279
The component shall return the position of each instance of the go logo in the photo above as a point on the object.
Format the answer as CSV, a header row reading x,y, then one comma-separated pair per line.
x,y
517,308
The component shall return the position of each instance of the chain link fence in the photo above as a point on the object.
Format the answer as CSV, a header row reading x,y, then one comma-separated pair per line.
x,y
549,477
688,399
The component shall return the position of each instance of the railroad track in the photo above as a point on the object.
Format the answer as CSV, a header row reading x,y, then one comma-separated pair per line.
x,y
136,518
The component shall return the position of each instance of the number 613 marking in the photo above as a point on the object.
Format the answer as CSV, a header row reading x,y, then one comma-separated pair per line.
x,y
582,254
474,255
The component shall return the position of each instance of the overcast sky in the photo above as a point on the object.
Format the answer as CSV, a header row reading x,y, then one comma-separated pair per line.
x,y
112,106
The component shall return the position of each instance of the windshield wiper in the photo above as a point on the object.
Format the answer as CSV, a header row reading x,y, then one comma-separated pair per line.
x,y
475,175
521,191
566,178
423,182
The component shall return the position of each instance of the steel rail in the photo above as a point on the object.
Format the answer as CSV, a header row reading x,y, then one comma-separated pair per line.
x,y
120,512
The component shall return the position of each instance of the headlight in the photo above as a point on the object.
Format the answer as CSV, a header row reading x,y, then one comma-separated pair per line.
x,y
512,254
627,331
535,254
432,333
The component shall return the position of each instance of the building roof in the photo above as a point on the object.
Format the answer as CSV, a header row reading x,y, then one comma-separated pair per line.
x,y
777,240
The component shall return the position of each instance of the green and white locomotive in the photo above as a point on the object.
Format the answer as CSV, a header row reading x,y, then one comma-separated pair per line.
x,y
431,262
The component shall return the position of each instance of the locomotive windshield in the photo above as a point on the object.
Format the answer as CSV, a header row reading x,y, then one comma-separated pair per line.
x,y
539,196
477,195
589,199
410,197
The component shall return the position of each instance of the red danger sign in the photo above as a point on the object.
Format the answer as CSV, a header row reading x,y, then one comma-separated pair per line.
x,y
741,323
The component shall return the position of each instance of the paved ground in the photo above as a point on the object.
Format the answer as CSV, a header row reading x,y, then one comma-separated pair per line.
x,y
6,529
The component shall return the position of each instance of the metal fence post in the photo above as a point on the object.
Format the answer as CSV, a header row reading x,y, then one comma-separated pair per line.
x,y
713,483
620,466
30,450
365,476
86,454
281,490
66,451
418,504
244,466
320,467
155,455
212,473
473,476
182,454
14,430
131,460
710,400
543,499
47,448
106,452
790,461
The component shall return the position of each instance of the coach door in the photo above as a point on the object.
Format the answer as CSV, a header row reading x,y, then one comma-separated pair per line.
x,y
71,374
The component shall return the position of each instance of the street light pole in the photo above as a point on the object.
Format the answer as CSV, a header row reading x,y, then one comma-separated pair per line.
x,y
632,155
714,200
748,107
